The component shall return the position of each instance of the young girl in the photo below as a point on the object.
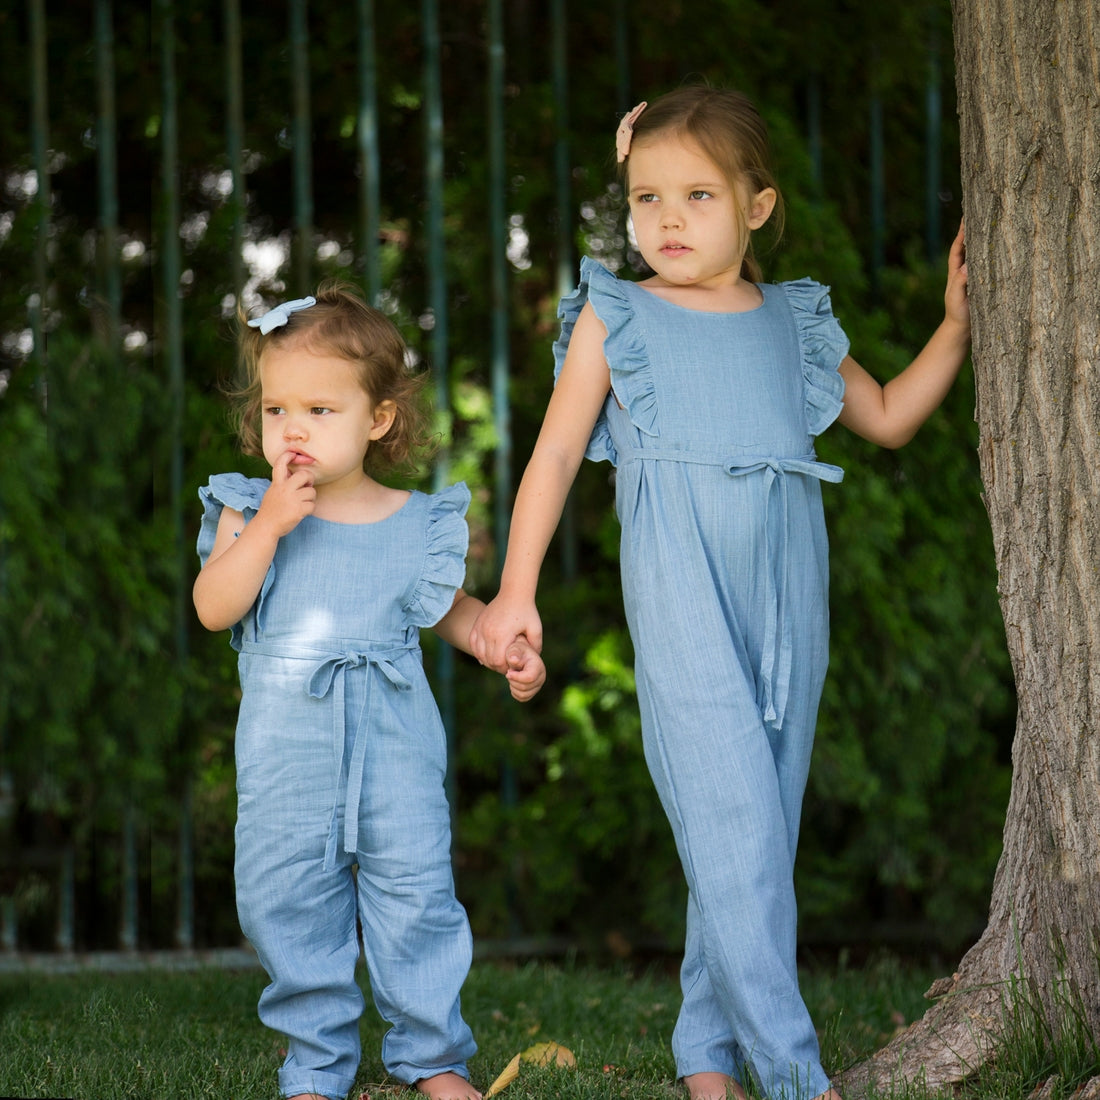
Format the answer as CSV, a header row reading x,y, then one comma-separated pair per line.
x,y
325,576
706,388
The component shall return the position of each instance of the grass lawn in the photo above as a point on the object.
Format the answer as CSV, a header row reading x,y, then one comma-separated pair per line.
x,y
161,1035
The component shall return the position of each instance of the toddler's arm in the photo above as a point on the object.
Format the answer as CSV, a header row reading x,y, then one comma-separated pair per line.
x,y
890,415
570,416
525,670
231,579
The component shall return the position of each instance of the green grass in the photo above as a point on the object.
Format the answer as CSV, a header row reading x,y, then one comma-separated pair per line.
x,y
161,1035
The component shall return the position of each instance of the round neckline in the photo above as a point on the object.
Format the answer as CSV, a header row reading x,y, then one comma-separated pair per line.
x,y
707,312
371,522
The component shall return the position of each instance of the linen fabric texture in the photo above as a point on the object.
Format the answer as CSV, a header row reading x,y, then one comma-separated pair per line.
x,y
342,815
710,424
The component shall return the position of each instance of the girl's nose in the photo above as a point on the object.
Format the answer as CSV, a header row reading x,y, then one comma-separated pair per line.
x,y
670,216
293,428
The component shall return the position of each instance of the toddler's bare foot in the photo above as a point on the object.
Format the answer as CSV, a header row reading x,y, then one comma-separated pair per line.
x,y
447,1086
713,1086
307,1096
832,1094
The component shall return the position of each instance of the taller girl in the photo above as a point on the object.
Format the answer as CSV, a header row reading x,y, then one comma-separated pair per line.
x,y
706,388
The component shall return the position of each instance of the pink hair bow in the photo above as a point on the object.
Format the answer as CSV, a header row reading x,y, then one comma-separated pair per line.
x,y
625,132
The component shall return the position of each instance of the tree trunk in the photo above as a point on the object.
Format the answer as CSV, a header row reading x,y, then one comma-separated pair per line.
x,y
1029,97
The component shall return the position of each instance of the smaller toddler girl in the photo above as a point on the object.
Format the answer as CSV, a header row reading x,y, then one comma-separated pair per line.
x,y
324,577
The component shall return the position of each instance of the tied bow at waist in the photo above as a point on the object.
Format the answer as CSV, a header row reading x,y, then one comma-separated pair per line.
x,y
328,676
775,664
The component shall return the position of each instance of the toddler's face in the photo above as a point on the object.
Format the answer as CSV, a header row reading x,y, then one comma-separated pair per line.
x,y
314,407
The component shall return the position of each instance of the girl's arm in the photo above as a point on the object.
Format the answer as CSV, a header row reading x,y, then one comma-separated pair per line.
x,y
570,416
525,670
890,415
231,579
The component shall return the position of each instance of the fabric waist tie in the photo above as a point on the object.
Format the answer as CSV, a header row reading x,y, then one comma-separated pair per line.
x,y
328,674
775,664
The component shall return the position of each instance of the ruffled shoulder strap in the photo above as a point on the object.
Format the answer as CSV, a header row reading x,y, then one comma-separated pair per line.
x,y
447,539
242,494
624,348
823,346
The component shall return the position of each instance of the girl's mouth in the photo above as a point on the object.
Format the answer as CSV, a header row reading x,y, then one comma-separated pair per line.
x,y
300,458
674,248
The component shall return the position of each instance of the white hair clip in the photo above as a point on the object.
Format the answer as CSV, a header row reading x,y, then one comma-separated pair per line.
x,y
277,317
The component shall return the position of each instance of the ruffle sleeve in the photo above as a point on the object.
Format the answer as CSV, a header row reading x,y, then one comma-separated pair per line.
x,y
242,494
446,542
624,348
823,346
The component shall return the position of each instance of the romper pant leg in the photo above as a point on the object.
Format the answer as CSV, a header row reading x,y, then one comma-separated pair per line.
x,y
703,589
720,790
299,917
702,1013
416,936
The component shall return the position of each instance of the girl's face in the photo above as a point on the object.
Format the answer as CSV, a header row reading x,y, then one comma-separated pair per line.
x,y
690,223
314,407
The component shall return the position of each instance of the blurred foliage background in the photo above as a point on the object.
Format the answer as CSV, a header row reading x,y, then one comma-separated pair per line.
x,y
113,726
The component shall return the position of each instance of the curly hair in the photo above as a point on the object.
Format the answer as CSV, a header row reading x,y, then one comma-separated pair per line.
x,y
729,130
344,325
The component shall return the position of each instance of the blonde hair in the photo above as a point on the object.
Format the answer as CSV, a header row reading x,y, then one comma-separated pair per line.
x,y
729,130
344,325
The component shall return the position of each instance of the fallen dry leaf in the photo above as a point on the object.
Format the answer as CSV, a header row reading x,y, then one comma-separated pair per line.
x,y
541,1054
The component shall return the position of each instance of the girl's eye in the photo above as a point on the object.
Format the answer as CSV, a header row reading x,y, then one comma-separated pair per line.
x,y
647,198
700,194
273,410
319,410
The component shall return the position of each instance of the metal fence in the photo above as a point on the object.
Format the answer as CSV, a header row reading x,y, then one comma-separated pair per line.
x,y
165,16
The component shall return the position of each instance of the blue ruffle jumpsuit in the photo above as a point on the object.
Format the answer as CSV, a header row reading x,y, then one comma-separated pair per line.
x,y
710,425
341,757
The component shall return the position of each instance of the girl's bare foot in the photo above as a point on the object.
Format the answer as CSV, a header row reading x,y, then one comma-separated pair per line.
x,y
447,1086
307,1096
713,1086
832,1094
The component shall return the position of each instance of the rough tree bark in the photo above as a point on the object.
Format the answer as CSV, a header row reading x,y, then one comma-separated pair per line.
x,y
1028,76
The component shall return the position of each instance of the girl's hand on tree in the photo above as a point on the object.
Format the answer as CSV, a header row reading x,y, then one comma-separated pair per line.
x,y
290,499
956,302
499,626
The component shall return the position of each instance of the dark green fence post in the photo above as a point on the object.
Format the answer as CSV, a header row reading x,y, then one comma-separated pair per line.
x,y
107,164
40,143
303,159
111,282
933,152
498,231
813,131
234,136
437,299
370,187
173,346
878,185
566,268
622,56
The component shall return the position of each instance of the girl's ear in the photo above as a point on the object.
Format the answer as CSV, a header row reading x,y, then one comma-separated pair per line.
x,y
385,413
761,207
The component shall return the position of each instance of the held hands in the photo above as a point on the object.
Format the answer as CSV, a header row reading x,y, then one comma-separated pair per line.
x,y
290,499
526,671
502,624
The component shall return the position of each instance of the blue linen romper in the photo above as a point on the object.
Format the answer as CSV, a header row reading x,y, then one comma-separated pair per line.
x,y
710,424
341,756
